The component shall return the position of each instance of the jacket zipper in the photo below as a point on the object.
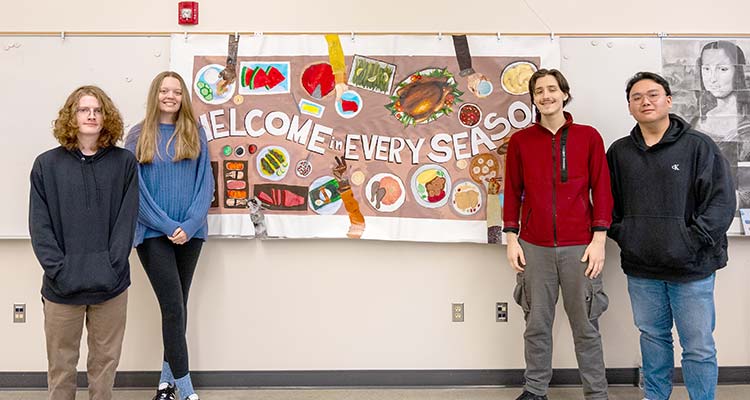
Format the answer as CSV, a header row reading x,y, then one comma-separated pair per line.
x,y
554,193
528,216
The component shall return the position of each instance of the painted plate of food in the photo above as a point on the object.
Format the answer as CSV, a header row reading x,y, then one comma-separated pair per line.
x,y
272,163
483,167
206,85
466,198
515,77
325,197
385,192
349,105
424,96
430,184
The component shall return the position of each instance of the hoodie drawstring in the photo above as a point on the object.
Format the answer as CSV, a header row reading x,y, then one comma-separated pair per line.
x,y
96,183
85,182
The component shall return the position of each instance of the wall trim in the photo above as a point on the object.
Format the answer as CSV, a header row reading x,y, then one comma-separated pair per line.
x,y
356,378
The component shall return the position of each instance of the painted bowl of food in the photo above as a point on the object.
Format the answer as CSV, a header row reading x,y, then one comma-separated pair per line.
x,y
469,115
515,77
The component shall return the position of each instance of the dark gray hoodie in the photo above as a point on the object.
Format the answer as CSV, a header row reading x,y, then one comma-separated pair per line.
x,y
674,202
82,215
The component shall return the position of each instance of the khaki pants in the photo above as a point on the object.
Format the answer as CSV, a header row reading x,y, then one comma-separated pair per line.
x,y
63,326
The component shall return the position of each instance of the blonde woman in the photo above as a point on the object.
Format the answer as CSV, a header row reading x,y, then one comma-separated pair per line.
x,y
176,187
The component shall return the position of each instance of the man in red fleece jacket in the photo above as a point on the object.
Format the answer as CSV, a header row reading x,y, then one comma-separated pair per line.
x,y
554,169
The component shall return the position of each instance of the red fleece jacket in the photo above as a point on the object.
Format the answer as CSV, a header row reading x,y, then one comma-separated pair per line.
x,y
550,181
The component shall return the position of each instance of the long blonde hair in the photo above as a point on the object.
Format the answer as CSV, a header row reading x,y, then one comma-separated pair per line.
x,y
66,126
187,143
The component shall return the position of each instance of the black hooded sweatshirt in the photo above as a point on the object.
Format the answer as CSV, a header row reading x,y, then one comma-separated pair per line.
x,y
82,216
674,202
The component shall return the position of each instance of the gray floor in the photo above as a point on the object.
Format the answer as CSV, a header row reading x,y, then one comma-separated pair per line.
x,y
483,393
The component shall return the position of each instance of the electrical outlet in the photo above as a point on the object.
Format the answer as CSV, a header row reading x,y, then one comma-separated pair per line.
x,y
457,312
19,313
501,312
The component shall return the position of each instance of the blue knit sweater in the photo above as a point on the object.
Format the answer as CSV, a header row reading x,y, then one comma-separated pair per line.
x,y
172,194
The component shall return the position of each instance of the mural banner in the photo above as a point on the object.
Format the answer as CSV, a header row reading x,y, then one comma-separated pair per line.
x,y
371,137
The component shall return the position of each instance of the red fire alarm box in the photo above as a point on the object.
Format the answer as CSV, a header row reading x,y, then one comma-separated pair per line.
x,y
187,13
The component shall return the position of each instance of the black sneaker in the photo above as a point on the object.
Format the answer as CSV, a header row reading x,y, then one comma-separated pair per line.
x,y
166,393
526,395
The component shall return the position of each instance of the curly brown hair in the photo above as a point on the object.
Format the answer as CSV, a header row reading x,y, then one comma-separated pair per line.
x,y
66,126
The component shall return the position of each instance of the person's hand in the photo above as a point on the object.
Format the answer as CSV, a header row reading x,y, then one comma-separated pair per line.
x,y
514,252
594,254
473,82
178,237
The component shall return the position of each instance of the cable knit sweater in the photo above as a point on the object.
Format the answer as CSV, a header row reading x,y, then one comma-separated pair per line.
x,y
172,194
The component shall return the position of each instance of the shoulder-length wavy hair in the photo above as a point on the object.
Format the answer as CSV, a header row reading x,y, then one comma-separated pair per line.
x,y
186,141
707,101
66,125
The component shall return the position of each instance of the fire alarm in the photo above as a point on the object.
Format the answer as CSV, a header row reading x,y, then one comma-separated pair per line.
x,y
187,13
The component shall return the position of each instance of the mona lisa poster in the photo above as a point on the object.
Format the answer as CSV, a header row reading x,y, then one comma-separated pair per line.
x,y
710,80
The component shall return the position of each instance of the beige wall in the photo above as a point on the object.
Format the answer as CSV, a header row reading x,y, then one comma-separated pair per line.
x,y
385,15
320,304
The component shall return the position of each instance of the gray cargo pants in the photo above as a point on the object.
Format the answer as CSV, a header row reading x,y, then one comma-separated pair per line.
x,y
548,269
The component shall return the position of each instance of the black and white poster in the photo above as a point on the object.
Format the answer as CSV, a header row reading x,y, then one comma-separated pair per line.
x,y
710,82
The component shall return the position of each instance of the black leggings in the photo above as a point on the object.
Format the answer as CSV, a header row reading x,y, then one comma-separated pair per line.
x,y
170,269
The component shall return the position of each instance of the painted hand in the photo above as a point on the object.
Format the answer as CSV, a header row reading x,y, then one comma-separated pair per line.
x,y
339,170
473,83
340,89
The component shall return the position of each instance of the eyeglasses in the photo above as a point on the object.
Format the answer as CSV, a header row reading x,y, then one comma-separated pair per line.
x,y
638,97
87,111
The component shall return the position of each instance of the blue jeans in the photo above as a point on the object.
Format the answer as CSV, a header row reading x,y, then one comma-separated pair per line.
x,y
656,304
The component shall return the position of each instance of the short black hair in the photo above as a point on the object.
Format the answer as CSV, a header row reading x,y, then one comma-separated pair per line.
x,y
643,75
559,77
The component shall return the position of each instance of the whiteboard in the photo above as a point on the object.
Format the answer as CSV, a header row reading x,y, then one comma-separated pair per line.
x,y
39,73
597,70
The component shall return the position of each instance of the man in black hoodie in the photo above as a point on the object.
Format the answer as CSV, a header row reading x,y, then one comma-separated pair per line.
x,y
82,215
674,201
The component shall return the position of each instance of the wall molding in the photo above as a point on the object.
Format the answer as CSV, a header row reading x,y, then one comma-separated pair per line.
x,y
358,378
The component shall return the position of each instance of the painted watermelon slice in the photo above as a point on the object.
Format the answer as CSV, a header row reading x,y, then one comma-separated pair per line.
x,y
318,80
245,76
274,77
259,78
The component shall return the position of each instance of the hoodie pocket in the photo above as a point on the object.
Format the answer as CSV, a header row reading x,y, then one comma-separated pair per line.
x,y
85,273
656,241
